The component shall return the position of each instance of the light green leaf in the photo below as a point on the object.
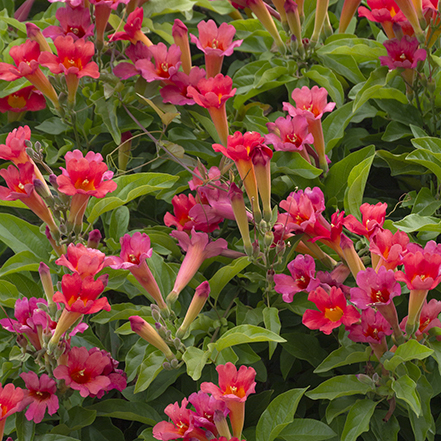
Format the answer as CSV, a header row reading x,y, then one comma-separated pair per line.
x,y
340,386
195,359
278,415
306,429
272,322
246,334
358,419
129,187
8,294
324,77
411,350
53,126
24,261
344,356
225,274
149,369
405,389
415,222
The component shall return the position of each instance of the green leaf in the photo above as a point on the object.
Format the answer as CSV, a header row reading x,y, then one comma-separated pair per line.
x,y
78,417
411,350
126,410
107,111
14,23
306,429
272,322
324,77
345,65
119,222
340,386
278,415
161,7
339,406
102,430
305,347
415,222
8,294
129,188
25,429
358,419
423,425
246,334
52,437
120,311
207,124
425,203
396,130
292,163
24,261
336,182
384,430
405,389
195,359
225,274
53,126
344,356
20,236
148,370
399,165
356,184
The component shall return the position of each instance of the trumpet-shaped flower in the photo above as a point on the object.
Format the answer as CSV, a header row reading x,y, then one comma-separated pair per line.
x,y
135,52
215,43
373,217
403,53
84,371
74,22
428,318
388,248
42,391
373,328
132,29
289,134
12,400
333,311
15,148
26,99
180,37
302,278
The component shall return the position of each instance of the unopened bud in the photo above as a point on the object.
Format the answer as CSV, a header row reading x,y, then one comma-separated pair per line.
x,y
268,239
42,189
156,313
166,365
94,239
174,364
256,249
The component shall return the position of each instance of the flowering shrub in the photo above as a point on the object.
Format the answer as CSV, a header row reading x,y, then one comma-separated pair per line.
x,y
219,220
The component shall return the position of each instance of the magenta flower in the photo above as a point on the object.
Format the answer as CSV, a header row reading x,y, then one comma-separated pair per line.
x,y
198,248
134,252
215,44
302,278
74,22
135,52
402,53
289,134
30,320
373,219
373,328
182,425
84,371
234,388
333,311
84,261
42,392
167,62
176,92
428,318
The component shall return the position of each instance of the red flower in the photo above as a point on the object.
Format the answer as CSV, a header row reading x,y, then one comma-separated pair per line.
x,y
333,311
402,53
73,60
373,218
28,98
15,148
132,29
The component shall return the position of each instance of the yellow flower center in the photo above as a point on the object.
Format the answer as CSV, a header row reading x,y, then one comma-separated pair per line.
x,y
333,314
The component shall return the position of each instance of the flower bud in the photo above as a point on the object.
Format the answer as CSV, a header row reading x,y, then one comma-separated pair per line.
x,y
94,239
236,197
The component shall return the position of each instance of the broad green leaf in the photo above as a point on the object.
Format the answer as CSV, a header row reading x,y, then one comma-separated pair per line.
x,y
324,77
79,417
396,130
134,358
356,184
336,182
161,7
24,261
306,429
292,163
126,410
272,322
218,6
119,222
195,359
129,188
358,419
148,370
8,294
305,347
428,143
384,430
120,311
428,159
107,111
344,356
415,222
102,430
25,429
399,165
339,406
207,124
9,87
225,274
278,415
20,236
340,386
345,65
411,350
425,203
424,425
53,126
405,389
54,437
14,23
246,334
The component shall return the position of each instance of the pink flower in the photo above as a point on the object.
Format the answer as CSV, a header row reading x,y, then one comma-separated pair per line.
x,y
80,295
74,22
42,393
373,328
333,311
215,43
234,388
182,425
167,62
289,134
187,216
73,60
302,278
15,148
26,99
428,318
389,248
84,261
134,252
12,400
198,248
132,29
403,53
135,52
176,92
373,219
84,371
212,92
31,321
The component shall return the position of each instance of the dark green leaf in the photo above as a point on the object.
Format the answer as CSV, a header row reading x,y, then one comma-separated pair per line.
x,y
358,419
306,430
